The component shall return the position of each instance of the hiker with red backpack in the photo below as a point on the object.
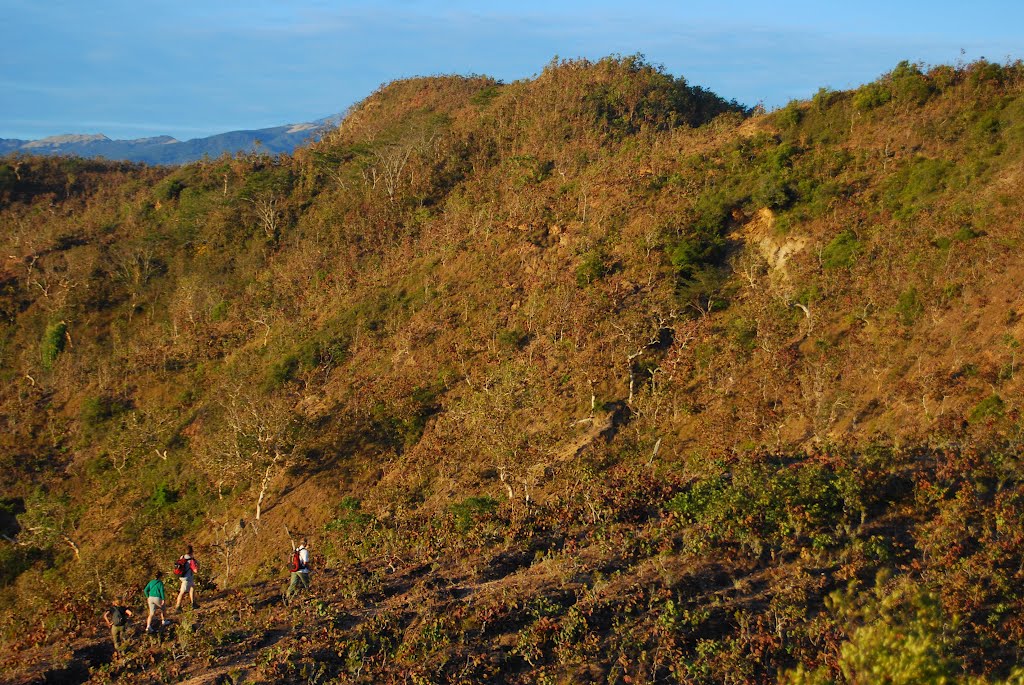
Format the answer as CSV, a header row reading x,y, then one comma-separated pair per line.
x,y
185,568
299,566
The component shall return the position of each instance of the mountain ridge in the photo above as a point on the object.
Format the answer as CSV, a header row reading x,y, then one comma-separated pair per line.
x,y
164,149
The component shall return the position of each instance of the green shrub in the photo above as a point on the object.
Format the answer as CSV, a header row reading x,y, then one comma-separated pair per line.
x,y
169,189
909,84
871,96
484,97
512,340
15,560
772,192
163,496
97,410
468,510
691,504
8,179
219,311
789,116
763,504
704,288
991,406
966,233
842,251
743,332
984,73
400,427
909,306
592,267
350,515
53,342
282,371
906,639
914,186
824,98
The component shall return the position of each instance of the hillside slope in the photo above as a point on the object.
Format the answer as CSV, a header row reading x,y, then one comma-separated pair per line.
x,y
589,378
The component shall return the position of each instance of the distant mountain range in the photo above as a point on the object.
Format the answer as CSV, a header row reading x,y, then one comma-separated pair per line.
x,y
168,150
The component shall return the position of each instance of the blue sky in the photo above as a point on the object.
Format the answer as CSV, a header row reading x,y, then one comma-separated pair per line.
x,y
193,68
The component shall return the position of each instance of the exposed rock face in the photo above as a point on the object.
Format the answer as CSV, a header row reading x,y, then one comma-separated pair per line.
x,y
776,250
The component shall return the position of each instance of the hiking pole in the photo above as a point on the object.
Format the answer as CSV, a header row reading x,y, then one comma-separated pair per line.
x,y
290,539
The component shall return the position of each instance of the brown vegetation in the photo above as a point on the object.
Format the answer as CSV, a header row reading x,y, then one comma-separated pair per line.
x,y
592,377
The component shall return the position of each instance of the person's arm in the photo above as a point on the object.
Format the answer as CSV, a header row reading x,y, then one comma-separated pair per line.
x,y
106,617
128,612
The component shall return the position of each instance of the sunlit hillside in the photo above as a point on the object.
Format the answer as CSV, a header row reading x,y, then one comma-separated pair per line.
x,y
593,377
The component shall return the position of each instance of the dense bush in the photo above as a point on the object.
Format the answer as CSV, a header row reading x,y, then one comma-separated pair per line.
x,y
52,344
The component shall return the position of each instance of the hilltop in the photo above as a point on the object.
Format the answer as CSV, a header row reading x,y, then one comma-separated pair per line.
x,y
592,377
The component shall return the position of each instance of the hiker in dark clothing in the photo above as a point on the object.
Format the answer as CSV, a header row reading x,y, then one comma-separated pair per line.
x,y
299,566
116,617
155,600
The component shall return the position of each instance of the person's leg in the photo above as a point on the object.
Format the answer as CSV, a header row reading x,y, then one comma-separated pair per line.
x,y
292,584
304,580
117,633
181,594
149,618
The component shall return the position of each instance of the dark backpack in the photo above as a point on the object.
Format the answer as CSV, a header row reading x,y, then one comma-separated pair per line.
x,y
296,562
117,616
181,567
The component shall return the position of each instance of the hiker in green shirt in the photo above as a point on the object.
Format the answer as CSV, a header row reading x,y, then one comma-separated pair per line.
x,y
155,601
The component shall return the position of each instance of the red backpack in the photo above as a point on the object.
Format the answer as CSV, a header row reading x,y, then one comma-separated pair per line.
x,y
181,567
296,562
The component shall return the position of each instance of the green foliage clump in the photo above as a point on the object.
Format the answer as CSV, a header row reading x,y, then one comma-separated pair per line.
x,y
871,96
991,406
909,84
914,186
593,266
400,425
282,371
8,179
15,560
350,516
743,332
485,96
790,116
163,495
763,504
513,339
53,343
824,98
533,170
906,637
468,510
169,189
97,410
842,251
773,192
219,312
909,306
